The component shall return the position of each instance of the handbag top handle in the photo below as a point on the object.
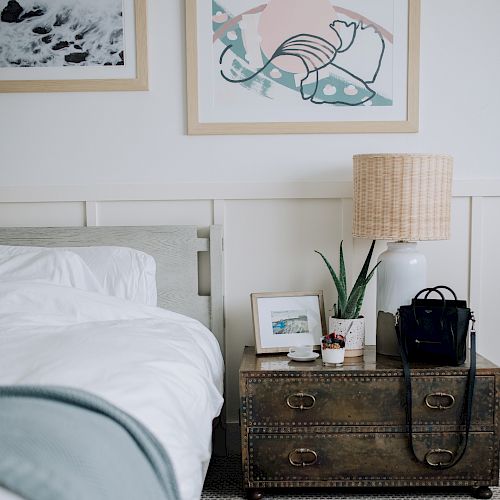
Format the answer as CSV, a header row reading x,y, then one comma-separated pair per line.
x,y
435,289
428,290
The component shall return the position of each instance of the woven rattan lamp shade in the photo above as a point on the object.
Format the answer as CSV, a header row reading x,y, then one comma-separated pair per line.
x,y
402,197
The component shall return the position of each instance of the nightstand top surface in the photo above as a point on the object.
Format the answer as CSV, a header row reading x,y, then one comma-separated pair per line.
x,y
370,362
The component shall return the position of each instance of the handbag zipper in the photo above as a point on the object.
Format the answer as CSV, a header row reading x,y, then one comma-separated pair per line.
x,y
417,341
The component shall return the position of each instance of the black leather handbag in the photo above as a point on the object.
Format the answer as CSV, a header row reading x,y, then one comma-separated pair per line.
x,y
435,331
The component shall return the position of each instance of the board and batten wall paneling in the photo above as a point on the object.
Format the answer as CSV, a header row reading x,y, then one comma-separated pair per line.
x,y
448,261
42,214
269,243
488,338
141,213
269,247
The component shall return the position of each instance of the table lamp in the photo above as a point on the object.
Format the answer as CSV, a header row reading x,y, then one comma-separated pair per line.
x,y
403,198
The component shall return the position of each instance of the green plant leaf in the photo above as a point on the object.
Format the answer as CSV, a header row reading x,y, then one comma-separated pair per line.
x,y
364,270
342,273
341,290
370,275
352,303
358,307
362,296
349,305
355,299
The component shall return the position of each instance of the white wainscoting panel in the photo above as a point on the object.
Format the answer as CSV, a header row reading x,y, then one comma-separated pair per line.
x,y
269,247
148,213
271,232
448,261
42,214
488,339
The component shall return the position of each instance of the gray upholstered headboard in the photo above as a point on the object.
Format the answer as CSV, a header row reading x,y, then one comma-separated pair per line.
x,y
175,249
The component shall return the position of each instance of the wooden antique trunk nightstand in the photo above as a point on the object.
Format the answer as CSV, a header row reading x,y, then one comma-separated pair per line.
x,y
306,425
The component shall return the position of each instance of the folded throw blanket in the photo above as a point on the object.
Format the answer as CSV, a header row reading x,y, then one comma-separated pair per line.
x,y
60,443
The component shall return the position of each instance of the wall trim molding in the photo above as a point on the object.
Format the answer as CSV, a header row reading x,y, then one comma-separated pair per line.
x,y
212,191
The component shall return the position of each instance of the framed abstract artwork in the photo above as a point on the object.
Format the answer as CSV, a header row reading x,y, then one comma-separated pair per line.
x,y
287,319
302,66
73,45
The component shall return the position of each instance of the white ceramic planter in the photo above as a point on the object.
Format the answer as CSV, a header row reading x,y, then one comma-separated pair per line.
x,y
354,332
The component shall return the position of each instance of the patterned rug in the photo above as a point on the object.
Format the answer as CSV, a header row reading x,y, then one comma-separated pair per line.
x,y
223,482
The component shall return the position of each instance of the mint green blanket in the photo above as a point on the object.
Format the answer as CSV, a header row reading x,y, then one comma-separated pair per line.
x,y
59,443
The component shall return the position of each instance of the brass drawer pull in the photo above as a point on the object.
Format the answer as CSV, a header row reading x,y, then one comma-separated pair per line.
x,y
301,396
438,451
298,457
439,406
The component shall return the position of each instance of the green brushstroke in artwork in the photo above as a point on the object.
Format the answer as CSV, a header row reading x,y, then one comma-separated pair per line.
x,y
286,79
379,100
258,84
217,8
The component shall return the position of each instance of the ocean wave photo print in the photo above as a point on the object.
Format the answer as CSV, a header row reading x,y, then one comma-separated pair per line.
x,y
72,40
61,33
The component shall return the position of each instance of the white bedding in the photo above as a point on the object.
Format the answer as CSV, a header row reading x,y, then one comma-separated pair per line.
x,y
163,368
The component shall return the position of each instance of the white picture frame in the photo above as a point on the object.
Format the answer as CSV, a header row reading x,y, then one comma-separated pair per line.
x,y
287,319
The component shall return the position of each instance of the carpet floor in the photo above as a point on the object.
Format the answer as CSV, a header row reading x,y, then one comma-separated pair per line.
x,y
224,481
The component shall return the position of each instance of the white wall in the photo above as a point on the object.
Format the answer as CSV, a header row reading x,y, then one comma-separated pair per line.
x,y
119,157
139,137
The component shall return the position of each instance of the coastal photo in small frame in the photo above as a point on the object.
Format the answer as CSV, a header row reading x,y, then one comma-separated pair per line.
x,y
73,45
287,319
302,66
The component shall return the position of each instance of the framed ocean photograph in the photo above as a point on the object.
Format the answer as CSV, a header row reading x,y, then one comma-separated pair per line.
x,y
287,319
302,66
73,45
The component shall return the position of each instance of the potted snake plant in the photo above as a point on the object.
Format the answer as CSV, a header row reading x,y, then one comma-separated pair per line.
x,y
346,320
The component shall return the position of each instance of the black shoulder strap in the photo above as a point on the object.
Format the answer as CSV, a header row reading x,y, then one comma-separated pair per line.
x,y
466,410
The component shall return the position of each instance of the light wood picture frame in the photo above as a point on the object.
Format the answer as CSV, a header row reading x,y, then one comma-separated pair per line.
x,y
130,74
287,319
243,77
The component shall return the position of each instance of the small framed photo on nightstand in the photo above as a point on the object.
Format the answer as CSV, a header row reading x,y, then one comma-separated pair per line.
x,y
287,319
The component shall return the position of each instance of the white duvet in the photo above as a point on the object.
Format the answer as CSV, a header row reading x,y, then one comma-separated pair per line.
x,y
163,368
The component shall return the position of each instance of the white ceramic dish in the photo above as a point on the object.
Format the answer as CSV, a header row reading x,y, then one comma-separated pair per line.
x,y
309,357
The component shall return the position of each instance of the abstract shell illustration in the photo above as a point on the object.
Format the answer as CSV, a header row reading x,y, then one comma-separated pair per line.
x,y
321,52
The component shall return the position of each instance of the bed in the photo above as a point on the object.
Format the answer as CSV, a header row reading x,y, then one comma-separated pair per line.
x,y
160,365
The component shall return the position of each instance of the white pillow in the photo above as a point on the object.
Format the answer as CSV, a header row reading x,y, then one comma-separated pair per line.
x,y
59,268
120,271
123,272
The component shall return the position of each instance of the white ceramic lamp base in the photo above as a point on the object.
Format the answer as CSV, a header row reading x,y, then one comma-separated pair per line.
x,y
401,274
